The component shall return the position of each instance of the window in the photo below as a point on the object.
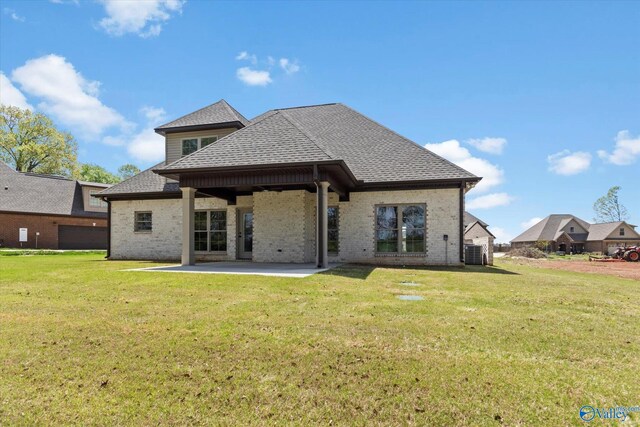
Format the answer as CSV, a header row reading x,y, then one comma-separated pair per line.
x,y
208,140
622,231
332,229
95,202
192,145
400,229
189,146
571,229
210,231
142,221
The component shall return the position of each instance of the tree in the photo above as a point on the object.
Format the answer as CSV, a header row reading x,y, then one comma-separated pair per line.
x,y
94,173
29,142
127,171
608,207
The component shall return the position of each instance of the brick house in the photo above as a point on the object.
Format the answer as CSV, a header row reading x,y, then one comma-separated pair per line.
x,y
568,233
318,184
53,212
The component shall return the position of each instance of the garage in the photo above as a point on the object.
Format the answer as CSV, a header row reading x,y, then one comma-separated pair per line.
x,y
79,237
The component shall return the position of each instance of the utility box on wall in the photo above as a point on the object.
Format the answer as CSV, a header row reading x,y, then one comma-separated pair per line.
x,y
22,235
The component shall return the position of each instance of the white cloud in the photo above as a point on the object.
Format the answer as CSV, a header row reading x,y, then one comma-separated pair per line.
x,y
288,66
530,222
147,145
626,150
253,77
245,56
567,163
489,201
451,150
12,13
488,145
68,96
502,235
142,17
11,95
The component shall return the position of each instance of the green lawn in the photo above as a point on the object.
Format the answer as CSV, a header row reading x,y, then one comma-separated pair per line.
x,y
82,342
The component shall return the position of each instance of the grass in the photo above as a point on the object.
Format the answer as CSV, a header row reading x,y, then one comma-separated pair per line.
x,y
85,343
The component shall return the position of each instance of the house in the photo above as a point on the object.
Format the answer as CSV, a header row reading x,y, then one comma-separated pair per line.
x,y
50,212
312,184
568,233
475,228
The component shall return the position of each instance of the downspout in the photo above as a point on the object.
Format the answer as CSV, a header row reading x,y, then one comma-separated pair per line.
x,y
462,188
108,228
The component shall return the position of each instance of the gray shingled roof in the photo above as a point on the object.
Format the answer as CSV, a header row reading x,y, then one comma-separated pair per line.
x,y
145,182
219,112
373,153
603,230
469,219
43,194
549,228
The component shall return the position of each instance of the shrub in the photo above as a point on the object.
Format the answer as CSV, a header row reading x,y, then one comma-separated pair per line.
x,y
527,253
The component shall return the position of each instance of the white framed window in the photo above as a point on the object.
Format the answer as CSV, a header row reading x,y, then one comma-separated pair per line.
x,y
401,228
210,231
142,222
191,145
622,231
96,202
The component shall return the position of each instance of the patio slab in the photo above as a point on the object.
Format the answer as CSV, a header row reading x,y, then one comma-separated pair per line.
x,y
242,268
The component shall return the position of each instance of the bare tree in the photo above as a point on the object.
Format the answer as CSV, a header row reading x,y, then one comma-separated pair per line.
x,y
608,207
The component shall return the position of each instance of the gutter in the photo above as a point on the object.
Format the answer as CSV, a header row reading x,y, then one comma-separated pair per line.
x,y
461,215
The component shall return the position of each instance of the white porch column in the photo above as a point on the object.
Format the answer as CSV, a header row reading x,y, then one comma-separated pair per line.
x,y
322,220
188,206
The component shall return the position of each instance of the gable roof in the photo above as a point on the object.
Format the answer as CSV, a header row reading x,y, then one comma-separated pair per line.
x,y
145,182
217,113
329,132
602,230
469,219
42,194
469,227
548,229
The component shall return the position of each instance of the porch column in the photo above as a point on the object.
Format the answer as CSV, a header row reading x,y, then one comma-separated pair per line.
x,y
188,206
322,232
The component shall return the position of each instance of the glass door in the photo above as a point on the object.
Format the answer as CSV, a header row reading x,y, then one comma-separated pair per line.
x,y
245,234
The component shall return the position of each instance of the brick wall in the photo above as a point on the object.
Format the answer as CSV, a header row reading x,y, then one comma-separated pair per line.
x,y
46,225
284,227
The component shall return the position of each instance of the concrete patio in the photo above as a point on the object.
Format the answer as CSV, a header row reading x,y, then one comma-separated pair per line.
x,y
243,268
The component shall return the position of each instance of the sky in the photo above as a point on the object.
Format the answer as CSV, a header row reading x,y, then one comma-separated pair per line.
x,y
541,99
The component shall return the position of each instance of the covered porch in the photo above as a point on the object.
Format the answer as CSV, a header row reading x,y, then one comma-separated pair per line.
x,y
287,219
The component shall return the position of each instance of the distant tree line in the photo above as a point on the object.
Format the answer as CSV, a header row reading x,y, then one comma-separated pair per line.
x,y
30,142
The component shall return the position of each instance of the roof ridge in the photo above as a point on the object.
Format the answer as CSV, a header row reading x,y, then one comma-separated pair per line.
x,y
188,114
232,110
308,135
404,138
306,106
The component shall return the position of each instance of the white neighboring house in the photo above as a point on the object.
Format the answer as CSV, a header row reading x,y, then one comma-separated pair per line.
x,y
317,183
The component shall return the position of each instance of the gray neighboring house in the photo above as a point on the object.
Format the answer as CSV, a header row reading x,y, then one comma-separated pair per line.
x,y
475,228
568,233
319,183
53,212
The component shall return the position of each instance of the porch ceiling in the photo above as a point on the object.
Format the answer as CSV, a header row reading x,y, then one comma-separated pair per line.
x,y
230,184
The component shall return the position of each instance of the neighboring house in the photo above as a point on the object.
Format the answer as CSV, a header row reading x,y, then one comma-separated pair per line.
x,y
475,228
308,184
52,212
567,233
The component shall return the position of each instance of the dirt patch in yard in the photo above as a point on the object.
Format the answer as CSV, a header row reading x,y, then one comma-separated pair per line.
x,y
629,270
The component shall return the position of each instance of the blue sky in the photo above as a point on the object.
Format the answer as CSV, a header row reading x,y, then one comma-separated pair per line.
x,y
541,98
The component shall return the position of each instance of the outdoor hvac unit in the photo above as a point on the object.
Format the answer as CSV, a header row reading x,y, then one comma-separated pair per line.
x,y
473,254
